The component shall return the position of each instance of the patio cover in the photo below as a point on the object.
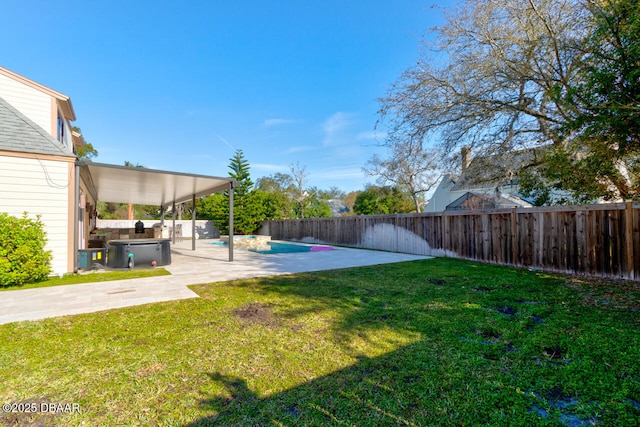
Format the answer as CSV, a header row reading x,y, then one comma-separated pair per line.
x,y
122,184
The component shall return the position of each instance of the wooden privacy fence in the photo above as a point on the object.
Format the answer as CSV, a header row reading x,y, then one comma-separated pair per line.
x,y
595,240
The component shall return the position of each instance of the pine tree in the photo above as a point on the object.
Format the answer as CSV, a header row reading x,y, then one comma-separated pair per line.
x,y
248,211
239,170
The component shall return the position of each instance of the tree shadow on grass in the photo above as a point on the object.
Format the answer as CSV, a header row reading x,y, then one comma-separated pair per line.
x,y
356,395
457,369
384,390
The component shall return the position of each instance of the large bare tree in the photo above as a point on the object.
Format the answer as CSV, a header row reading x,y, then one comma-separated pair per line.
x,y
504,75
489,79
409,166
299,175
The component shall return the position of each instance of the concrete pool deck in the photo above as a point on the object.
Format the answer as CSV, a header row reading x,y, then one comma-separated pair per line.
x,y
208,263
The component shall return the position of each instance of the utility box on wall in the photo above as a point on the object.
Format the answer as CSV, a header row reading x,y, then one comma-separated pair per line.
x,y
88,257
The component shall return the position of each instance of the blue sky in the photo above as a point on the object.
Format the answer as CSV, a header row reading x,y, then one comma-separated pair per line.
x,y
179,85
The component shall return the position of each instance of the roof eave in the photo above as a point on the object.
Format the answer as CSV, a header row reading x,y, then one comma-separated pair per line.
x,y
67,108
78,139
64,102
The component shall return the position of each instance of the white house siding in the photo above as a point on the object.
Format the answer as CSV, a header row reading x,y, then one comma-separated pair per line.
x,y
442,196
39,187
29,101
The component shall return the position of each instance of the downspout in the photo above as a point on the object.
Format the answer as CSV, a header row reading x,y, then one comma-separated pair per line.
x,y
76,224
231,221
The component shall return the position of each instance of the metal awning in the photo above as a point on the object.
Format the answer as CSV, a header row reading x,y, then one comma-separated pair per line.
x,y
121,184
142,186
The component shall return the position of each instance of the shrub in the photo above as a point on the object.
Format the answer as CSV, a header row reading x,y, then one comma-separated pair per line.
x,y
23,258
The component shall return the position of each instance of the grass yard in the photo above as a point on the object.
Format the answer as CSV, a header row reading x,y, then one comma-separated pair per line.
x,y
91,277
433,342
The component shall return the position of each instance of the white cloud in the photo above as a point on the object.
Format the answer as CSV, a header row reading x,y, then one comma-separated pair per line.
x,y
334,128
372,134
299,149
276,122
226,142
347,172
268,167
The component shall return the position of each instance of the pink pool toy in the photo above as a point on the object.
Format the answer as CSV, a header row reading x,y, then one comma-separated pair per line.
x,y
321,248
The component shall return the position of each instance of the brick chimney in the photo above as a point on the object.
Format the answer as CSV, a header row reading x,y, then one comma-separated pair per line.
x,y
465,155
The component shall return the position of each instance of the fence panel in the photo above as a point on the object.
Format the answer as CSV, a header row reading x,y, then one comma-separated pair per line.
x,y
597,240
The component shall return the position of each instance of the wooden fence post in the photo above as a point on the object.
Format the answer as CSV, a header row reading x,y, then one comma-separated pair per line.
x,y
628,239
444,231
514,236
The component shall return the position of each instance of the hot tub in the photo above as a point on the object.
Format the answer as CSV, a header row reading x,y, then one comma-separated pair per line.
x,y
138,252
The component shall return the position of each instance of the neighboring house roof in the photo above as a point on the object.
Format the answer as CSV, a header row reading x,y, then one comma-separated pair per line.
x,y
20,134
482,180
475,201
64,102
338,207
496,170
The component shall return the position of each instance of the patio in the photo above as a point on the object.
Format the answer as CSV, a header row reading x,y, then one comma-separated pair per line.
x,y
208,263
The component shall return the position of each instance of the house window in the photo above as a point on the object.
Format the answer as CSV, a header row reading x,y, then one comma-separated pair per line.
x,y
60,135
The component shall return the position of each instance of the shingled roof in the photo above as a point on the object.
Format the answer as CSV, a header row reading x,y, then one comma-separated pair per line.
x,y
20,134
496,170
476,201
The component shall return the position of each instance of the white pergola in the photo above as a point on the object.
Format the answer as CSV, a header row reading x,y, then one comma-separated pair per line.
x,y
122,184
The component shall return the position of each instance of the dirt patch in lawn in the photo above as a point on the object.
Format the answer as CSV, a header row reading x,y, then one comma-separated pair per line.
x,y
150,369
255,313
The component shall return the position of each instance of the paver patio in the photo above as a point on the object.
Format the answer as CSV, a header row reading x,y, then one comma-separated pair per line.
x,y
208,263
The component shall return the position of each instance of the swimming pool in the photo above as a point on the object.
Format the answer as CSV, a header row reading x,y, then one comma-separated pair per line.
x,y
288,248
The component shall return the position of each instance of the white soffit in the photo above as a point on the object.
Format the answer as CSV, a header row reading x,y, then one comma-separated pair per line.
x,y
121,184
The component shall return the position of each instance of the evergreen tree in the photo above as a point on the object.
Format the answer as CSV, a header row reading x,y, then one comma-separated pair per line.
x,y
239,170
215,208
605,129
248,210
277,195
382,201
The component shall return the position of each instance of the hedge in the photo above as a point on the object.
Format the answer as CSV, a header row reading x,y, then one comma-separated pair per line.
x,y
23,258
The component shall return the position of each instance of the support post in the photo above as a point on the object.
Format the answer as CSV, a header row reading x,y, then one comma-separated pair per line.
x,y
231,221
193,224
173,224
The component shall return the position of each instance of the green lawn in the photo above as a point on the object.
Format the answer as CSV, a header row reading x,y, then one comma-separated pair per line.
x,y
433,342
91,277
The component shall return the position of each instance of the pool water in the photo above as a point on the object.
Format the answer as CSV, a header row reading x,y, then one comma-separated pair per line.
x,y
288,248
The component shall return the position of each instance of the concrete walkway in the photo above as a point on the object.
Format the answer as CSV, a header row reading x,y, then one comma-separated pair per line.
x,y
208,263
